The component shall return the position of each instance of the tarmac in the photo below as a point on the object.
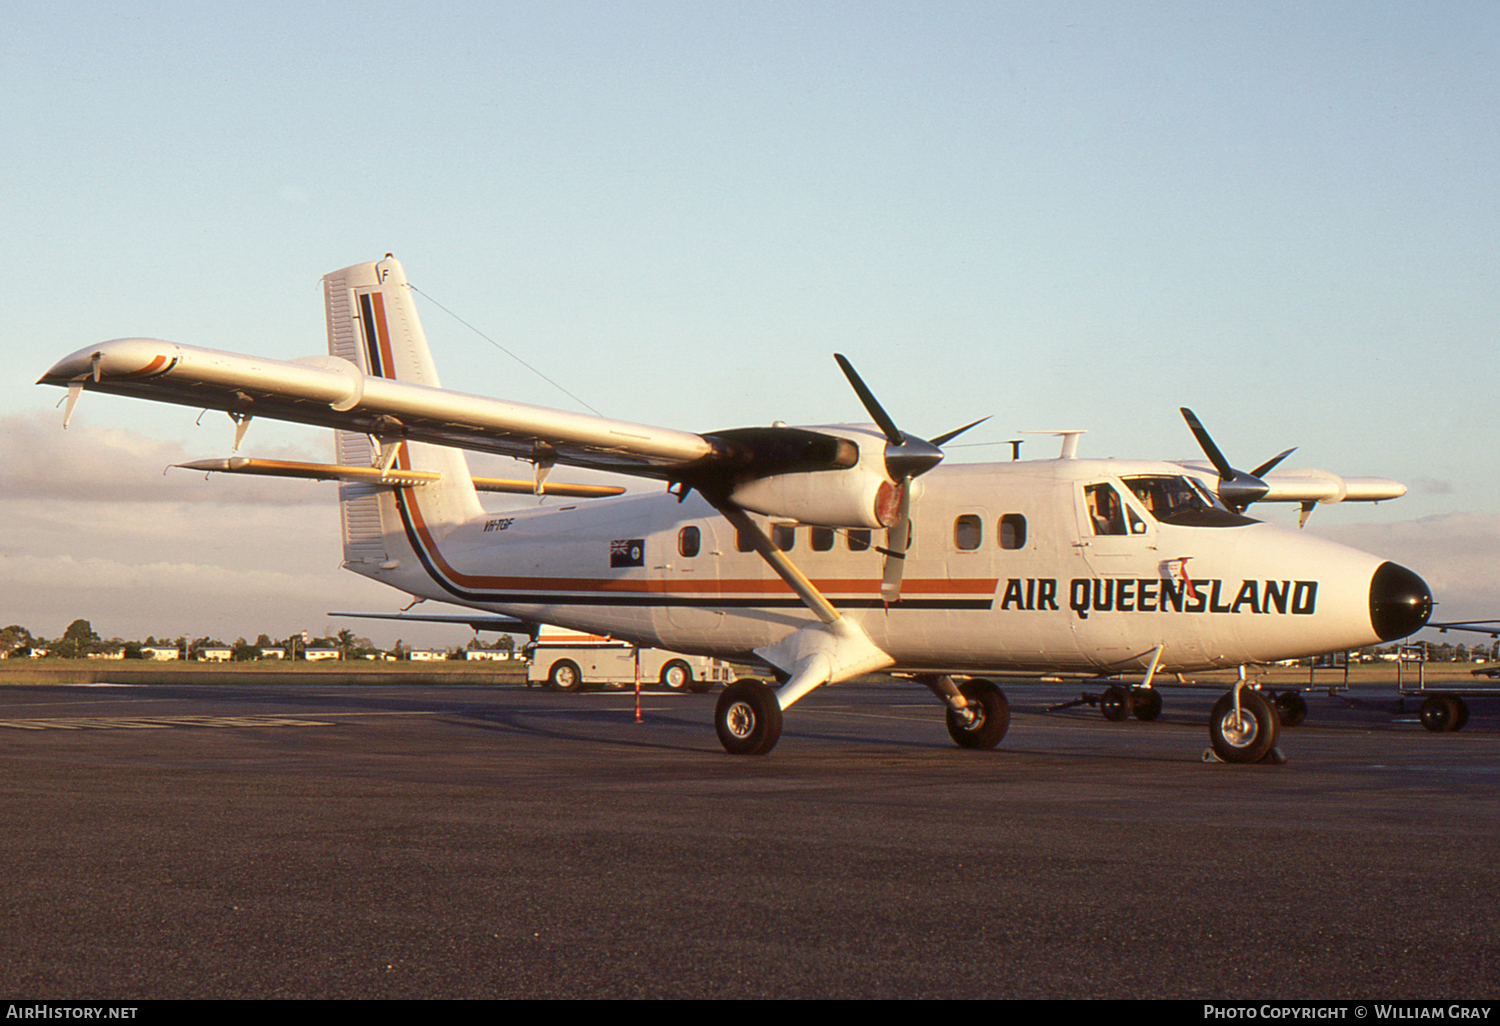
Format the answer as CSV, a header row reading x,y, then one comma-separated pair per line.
x,y
469,841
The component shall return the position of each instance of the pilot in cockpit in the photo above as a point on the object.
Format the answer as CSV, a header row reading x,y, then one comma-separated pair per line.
x,y
1104,510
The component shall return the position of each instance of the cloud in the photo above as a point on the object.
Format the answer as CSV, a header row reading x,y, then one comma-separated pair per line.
x,y
94,529
38,459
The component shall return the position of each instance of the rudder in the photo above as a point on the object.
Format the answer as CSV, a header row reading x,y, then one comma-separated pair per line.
x,y
373,323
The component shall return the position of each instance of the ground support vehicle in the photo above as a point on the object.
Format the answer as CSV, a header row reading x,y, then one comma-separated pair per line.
x,y
571,661
1443,707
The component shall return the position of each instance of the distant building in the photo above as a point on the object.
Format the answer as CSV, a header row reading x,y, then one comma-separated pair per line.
x,y
215,654
491,655
272,653
427,655
316,655
161,653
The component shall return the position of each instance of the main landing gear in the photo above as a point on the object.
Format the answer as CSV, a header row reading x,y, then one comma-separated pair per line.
x,y
983,719
747,717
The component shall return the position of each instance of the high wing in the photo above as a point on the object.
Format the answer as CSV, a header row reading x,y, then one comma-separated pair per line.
x,y
326,391
1310,485
398,399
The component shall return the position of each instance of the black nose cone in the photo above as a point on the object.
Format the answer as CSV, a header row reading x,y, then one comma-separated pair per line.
x,y
1400,602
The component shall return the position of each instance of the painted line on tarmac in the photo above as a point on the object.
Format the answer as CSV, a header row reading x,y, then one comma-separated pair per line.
x,y
158,722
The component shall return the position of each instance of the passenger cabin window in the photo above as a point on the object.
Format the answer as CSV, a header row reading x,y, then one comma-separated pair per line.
x,y
743,542
858,539
968,532
1012,531
821,538
784,536
688,541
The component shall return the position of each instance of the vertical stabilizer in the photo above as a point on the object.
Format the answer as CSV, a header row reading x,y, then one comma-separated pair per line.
x,y
373,323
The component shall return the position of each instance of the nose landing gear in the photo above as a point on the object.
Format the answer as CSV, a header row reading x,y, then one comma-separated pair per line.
x,y
1243,728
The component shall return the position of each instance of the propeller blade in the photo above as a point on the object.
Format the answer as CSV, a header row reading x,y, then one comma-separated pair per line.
x,y
1226,472
1265,468
905,456
1237,489
941,440
872,406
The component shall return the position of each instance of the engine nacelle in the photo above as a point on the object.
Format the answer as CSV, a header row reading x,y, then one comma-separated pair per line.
x,y
859,496
840,498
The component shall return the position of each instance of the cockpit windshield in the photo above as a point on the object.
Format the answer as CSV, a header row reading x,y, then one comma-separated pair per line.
x,y
1182,501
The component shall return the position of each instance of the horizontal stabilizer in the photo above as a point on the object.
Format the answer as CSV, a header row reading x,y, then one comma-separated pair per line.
x,y
394,477
478,621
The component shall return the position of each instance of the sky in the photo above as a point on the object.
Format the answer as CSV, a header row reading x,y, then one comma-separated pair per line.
x,y
1283,215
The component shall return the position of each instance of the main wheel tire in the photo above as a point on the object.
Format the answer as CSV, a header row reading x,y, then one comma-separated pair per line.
x,y
748,718
565,676
1116,703
990,716
1440,714
1248,736
1291,707
1146,703
677,676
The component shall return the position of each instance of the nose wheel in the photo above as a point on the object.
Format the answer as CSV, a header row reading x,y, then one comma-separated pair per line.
x,y
1245,731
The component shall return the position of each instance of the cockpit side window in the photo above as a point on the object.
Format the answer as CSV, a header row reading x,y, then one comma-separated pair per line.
x,y
1105,509
1181,501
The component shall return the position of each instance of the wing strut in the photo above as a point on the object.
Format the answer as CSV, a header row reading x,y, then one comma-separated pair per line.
x,y
832,650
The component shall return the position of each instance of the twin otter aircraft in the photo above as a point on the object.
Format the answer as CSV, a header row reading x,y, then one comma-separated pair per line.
x,y
820,553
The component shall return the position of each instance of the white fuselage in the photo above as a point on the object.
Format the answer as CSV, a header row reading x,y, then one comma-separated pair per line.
x,y
1007,571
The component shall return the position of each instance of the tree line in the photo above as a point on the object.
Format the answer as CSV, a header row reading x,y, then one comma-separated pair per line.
x,y
80,641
